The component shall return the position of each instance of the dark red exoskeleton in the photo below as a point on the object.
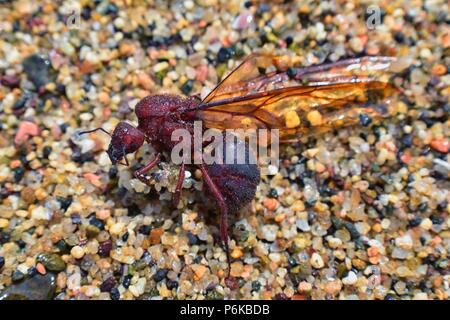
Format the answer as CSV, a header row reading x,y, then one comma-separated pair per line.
x,y
265,91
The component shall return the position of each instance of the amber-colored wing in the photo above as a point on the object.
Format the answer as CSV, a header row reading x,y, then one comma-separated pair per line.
x,y
268,91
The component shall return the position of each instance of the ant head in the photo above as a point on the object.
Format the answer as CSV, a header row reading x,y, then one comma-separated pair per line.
x,y
124,140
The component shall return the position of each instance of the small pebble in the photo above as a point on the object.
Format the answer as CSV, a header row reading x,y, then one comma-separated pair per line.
x,y
317,261
314,118
26,130
426,224
350,279
114,294
292,119
77,252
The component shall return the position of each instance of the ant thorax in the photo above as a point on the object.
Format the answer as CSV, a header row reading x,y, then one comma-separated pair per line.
x,y
162,105
160,115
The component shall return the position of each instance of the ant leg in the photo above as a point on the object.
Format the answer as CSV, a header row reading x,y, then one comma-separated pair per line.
x,y
139,174
127,164
177,194
223,212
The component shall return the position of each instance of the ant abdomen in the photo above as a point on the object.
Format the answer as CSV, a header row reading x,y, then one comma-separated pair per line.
x,y
236,180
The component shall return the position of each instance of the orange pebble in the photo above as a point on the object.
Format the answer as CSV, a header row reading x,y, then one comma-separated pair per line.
x,y
374,260
173,62
328,19
106,112
145,81
14,164
372,251
103,214
65,105
280,217
437,240
373,51
446,40
270,204
26,129
391,146
377,228
439,70
236,253
93,179
155,235
406,157
126,48
199,271
299,297
40,268
440,145
103,97
86,67
437,282
364,38
47,8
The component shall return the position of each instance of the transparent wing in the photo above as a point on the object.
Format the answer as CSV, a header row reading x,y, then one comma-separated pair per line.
x,y
269,92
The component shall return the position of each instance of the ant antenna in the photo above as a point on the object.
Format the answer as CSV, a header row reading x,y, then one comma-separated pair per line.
x,y
94,130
